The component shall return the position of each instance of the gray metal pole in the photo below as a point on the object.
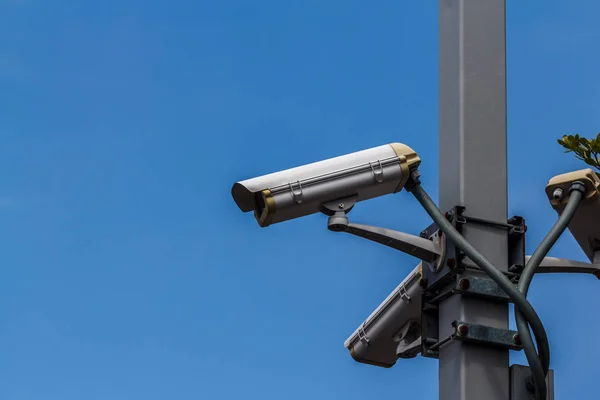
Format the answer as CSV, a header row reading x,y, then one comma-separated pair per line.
x,y
473,173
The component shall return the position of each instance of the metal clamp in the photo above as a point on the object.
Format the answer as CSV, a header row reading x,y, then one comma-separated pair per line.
x,y
378,173
486,335
468,285
404,294
362,336
438,276
513,228
469,333
296,193
480,287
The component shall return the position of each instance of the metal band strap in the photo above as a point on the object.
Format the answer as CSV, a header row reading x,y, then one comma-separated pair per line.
x,y
404,294
378,173
296,193
362,335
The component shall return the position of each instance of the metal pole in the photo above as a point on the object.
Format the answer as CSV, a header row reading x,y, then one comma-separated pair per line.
x,y
473,173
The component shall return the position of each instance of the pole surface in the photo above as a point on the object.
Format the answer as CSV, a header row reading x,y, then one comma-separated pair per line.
x,y
473,173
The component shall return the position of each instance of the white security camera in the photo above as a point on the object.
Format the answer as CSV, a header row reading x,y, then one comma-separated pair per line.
x,y
304,190
393,330
585,225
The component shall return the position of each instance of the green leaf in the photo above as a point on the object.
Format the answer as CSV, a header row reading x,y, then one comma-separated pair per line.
x,y
587,153
584,149
569,142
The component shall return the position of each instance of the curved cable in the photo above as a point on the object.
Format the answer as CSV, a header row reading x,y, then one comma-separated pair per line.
x,y
501,280
577,192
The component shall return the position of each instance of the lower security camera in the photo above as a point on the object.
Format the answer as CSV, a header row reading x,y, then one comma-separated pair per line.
x,y
301,191
585,225
393,330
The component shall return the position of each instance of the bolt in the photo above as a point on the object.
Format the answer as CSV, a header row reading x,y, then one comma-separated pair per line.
x,y
341,205
423,234
451,263
463,330
449,215
557,194
517,339
464,284
530,386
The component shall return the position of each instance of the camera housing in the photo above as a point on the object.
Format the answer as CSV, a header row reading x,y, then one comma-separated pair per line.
x,y
393,330
302,191
585,225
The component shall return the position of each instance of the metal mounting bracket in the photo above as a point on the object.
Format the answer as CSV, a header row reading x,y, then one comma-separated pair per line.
x,y
438,276
514,225
486,335
474,286
478,334
521,387
460,276
561,265
465,284
415,246
409,340
410,244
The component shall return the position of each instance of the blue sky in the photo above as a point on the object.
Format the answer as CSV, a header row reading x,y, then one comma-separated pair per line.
x,y
128,271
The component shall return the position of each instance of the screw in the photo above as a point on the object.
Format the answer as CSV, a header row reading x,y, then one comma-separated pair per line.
x,y
464,284
341,205
463,330
451,263
517,339
557,194
449,215
423,234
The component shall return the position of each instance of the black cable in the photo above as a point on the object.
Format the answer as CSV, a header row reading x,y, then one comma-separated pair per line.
x,y
501,280
577,191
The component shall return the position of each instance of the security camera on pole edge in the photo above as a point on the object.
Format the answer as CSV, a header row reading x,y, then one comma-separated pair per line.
x,y
406,322
585,226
